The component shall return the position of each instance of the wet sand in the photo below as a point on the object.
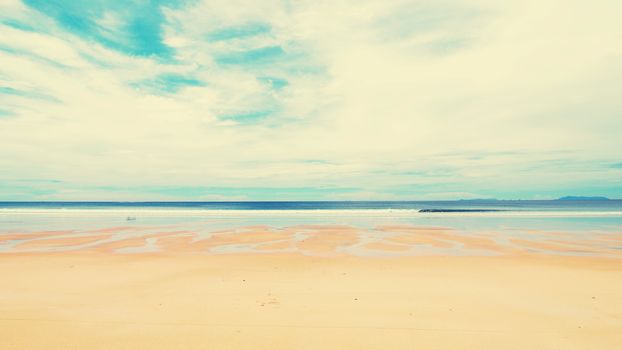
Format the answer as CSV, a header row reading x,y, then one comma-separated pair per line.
x,y
308,287
314,240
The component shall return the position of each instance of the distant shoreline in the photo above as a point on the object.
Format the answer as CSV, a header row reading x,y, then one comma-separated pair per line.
x,y
459,210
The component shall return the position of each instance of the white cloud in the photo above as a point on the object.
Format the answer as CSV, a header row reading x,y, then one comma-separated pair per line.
x,y
406,83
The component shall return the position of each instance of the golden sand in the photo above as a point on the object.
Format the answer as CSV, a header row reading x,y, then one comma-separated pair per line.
x,y
386,246
301,288
170,301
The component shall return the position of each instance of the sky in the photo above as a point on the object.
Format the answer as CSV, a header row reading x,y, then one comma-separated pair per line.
x,y
310,100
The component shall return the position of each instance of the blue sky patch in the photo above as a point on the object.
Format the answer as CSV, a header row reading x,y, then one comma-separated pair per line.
x,y
18,25
446,45
138,30
8,90
168,83
4,113
247,117
33,56
274,83
239,32
252,57
5,90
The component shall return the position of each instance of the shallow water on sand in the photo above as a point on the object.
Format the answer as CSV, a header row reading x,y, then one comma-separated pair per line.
x,y
328,232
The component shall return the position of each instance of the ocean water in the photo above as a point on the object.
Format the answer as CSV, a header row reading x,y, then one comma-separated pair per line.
x,y
460,205
462,214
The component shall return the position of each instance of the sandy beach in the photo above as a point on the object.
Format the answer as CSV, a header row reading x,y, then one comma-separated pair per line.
x,y
103,300
310,175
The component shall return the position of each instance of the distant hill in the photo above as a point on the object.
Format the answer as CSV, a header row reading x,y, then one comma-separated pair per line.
x,y
581,198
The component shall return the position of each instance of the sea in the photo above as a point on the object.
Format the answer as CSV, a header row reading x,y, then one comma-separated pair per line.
x,y
572,215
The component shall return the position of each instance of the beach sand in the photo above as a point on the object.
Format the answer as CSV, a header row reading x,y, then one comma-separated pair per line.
x,y
102,300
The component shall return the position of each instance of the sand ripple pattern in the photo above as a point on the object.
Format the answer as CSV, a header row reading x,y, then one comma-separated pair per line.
x,y
313,240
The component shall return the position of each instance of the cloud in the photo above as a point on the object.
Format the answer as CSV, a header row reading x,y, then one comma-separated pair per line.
x,y
394,99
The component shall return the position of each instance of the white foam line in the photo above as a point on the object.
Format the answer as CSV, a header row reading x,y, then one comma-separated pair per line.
x,y
137,212
209,212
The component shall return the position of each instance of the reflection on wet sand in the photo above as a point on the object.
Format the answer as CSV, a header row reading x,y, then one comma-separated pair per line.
x,y
314,240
